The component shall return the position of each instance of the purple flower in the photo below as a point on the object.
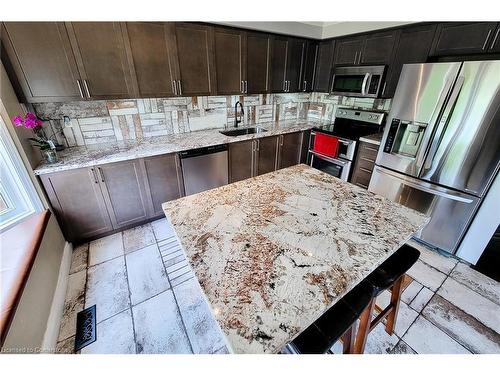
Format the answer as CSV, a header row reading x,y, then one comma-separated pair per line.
x,y
18,121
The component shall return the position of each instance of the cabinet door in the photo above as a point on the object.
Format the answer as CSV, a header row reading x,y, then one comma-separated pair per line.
x,y
124,191
266,155
378,48
195,60
290,149
41,56
230,51
294,63
241,160
100,53
347,51
152,57
279,54
324,66
257,64
162,174
413,47
463,38
78,203
309,68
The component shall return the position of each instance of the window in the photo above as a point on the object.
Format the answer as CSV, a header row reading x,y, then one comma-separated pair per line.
x,y
18,198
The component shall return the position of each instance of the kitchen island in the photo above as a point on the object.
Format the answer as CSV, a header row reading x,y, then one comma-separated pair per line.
x,y
274,252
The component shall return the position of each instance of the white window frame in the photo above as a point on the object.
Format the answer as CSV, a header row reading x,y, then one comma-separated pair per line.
x,y
16,184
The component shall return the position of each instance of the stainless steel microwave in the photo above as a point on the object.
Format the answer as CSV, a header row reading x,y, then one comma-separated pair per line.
x,y
362,81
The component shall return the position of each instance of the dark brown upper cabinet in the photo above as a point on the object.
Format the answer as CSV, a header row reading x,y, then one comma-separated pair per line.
x,y
378,48
306,83
152,57
195,59
287,56
257,64
324,65
230,61
348,50
100,54
42,59
370,49
413,47
464,38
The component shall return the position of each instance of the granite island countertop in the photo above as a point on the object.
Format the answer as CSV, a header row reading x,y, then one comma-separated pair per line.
x,y
88,156
273,253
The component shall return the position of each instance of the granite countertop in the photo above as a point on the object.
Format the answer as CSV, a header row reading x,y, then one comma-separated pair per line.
x,y
273,253
375,139
87,156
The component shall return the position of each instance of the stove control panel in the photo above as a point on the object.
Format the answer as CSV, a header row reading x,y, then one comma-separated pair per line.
x,y
360,115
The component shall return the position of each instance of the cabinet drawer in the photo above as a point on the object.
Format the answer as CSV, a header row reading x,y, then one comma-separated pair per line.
x,y
368,151
362,177
365,163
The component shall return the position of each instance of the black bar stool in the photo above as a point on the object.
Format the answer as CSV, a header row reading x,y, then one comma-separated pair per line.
x,y
389,275
338,322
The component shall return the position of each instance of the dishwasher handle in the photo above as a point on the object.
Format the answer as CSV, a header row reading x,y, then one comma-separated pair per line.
x,y
202,151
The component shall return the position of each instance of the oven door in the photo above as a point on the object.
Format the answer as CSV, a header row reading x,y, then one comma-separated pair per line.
x,y
336,167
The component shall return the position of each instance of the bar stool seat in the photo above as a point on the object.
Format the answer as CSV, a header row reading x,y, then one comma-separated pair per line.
x,y
389,275
337,322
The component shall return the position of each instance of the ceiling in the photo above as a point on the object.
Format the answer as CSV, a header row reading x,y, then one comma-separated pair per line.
x,y
317,30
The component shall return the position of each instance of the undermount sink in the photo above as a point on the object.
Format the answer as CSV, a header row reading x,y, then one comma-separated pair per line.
x,y
236,132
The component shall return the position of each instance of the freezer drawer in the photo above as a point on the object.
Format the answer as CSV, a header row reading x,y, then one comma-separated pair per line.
x,y
450,211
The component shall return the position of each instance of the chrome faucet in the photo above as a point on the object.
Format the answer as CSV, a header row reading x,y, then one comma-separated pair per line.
x,y
236,121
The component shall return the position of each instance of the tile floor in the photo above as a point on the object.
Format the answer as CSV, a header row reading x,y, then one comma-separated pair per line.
x,y
149,301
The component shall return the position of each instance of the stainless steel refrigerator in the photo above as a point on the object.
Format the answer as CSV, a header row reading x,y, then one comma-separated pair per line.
x,y
441,145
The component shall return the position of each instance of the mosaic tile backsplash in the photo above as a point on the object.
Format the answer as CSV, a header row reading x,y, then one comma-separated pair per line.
x,y
91,122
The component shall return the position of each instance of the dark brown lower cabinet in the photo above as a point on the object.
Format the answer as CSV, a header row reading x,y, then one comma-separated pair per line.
x,y
241,160
363,167
163,180
290,147
92,202
266,155
124,190
78,202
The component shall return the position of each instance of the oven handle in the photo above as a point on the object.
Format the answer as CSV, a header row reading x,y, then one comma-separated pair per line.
x,y
331,160
365,80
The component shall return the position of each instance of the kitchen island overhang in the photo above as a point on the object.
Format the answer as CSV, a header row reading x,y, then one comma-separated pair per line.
x,y
274,252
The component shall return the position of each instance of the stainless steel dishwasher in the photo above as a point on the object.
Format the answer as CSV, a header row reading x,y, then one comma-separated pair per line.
x,y
204,168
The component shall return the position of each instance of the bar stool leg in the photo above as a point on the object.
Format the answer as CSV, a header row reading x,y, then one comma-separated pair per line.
x,y
348,339
364,328
396,291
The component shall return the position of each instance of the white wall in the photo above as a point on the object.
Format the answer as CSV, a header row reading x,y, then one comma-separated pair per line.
x,y
38,314
316,30
484,225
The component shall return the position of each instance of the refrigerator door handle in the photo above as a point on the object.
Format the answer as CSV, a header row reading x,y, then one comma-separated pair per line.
x,y
422,186
443,122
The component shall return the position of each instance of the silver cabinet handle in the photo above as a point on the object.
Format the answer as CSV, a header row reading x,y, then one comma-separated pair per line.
x,y
95,176
333,81
80,88
355,57
305,85
257,145
101,174
495,38
486,40
281,140
288,87
383,90
242,90
359,57
284,86
180,86
246,87
86,86
174,88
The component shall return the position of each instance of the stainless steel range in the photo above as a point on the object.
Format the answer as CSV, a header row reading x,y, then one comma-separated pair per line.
x,y
441,148
350,125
